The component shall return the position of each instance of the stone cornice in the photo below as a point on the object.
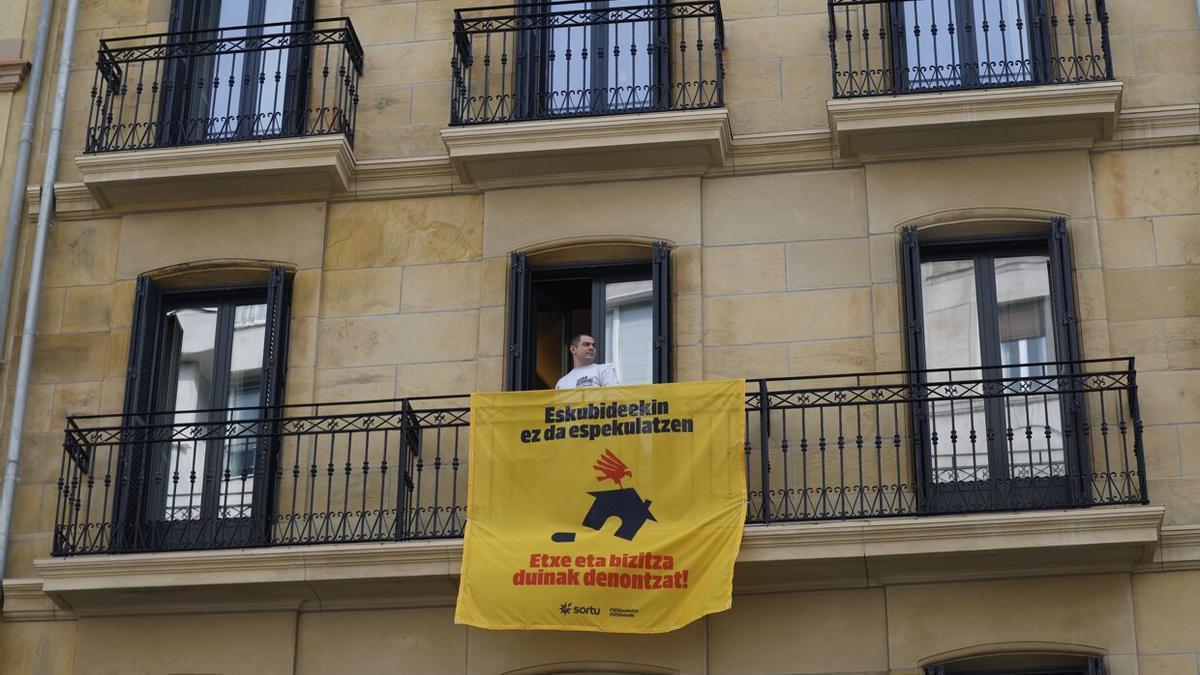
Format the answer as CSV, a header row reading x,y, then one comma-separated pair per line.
x,y
774,557
776,152
12,74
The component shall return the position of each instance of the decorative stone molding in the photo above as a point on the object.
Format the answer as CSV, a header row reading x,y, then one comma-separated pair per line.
x,y
790,556
12,74
775,152
1054,116
24,600
651,145
275,170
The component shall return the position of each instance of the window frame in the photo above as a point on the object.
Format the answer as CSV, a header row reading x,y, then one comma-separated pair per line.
x,y
953,496
965,42
535,82
138,521
178,110
521,351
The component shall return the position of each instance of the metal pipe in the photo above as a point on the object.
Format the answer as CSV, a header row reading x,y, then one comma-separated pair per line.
x,y
16,200
29,333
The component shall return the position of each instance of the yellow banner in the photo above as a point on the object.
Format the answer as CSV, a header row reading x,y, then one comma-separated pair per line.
x,y
603,509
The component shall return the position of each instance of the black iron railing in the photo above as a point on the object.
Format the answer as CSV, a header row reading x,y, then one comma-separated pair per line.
x,y
575,59
913,46
272,80
856,446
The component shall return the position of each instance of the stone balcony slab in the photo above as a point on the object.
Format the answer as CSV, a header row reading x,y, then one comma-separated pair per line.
x,y
678,143
312,167
779,557
910,125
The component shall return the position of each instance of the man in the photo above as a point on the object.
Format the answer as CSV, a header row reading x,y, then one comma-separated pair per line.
x,y
587,373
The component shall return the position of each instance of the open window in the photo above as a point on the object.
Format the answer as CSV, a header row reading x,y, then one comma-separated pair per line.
x,y
624,304
206,368
993,348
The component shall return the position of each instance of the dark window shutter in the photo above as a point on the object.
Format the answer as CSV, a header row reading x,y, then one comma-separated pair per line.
x,y
1062,291
143,348
914,320
661,276
279,314
516,370
910,282
271,398
140,400
1066,348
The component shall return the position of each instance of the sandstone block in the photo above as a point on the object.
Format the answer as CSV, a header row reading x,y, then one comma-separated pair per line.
x,y
363,291
743,269
828,264
1127,242
787,317
780,207
382,233
441,287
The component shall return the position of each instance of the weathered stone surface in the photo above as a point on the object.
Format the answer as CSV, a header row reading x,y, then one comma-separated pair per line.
x,y
441,287
649,209
826,357
1127,242
388,340
1150,182
88,309
780,207
382,233
743,269
787,317
1157,293
365,291
285,233
828,264
81,253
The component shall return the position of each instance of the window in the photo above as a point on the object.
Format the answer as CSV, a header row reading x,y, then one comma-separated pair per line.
x,y
992,334
201,361
236,83
957,44
596,60
623,304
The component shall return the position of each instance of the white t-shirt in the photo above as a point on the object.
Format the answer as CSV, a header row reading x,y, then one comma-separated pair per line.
x,y
594,375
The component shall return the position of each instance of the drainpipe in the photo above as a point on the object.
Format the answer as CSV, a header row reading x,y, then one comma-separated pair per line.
x,y
16,201
29,333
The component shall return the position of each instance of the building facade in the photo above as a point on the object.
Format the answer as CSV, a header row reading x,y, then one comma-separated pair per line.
x,y
952,246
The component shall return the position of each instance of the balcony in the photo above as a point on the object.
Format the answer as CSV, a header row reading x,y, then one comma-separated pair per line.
x,y
832,448
224,115
982,72
619,90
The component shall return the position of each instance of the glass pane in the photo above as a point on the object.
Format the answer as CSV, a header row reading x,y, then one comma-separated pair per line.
x,y
931,45
1033,407
571,55
630,71
629,330
957,427
1001,29
190,340
245,387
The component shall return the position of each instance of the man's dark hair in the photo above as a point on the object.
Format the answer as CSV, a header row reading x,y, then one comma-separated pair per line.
x,y
575,340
